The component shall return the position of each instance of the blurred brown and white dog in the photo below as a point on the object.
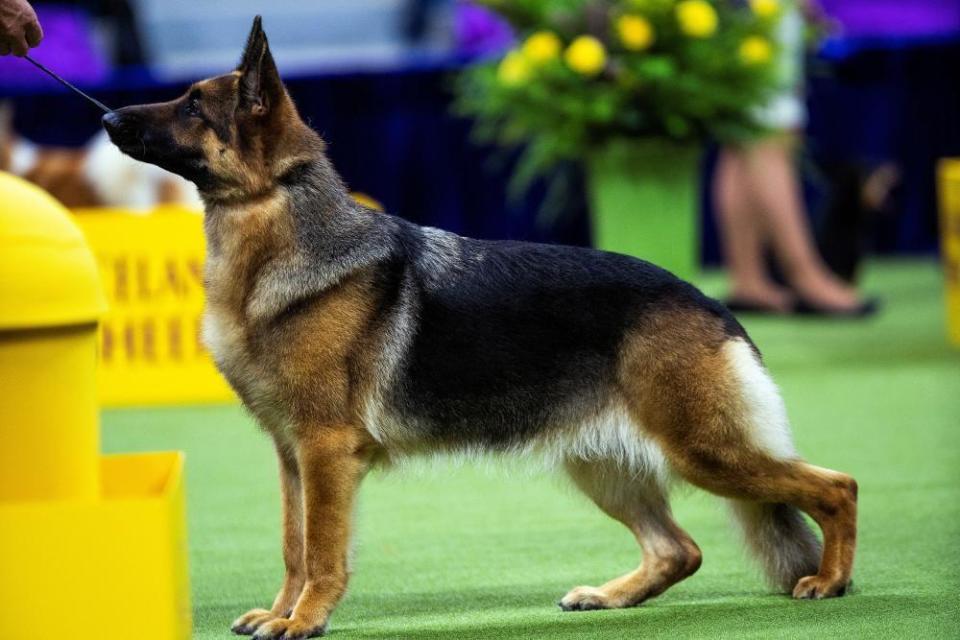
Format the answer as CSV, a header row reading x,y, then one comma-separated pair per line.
x,y
356,339
94,175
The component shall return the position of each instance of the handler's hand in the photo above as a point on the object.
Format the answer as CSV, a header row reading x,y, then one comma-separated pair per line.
x,y
19,27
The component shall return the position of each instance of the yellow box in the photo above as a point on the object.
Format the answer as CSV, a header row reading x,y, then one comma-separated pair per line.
x,y
110,568
949,175
152,270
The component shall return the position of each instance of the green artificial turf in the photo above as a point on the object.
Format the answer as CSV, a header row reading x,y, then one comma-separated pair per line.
x,y
478,552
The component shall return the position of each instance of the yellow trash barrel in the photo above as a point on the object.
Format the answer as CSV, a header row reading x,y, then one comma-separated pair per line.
x,y
50,301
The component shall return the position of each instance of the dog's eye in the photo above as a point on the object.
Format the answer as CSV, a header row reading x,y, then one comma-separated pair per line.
x,y
193,108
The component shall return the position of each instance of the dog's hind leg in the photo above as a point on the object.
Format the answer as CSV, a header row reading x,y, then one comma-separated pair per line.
x,y
829,497
720,422
669,553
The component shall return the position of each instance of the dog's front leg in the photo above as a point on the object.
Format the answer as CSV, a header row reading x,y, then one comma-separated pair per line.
x,y
292,493
331,465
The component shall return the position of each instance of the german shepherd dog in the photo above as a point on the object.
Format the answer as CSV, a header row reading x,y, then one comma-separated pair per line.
x,y
357,338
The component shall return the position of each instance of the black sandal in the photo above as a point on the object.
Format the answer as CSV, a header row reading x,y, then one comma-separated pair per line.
x,y
865,309
741,305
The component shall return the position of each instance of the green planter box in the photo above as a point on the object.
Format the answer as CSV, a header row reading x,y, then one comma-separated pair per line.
x,y
644,203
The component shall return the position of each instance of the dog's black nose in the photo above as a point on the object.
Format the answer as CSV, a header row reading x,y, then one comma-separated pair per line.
x,y
111,121
121,126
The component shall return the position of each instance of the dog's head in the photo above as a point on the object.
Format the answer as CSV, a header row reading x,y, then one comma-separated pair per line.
x,y
232,135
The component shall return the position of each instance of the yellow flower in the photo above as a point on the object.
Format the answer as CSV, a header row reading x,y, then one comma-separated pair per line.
x,y
765,8
514,69
586,56
542,47
635,32
698,19
756,50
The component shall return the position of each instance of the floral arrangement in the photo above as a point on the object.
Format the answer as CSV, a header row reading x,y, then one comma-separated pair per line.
x,y
586,72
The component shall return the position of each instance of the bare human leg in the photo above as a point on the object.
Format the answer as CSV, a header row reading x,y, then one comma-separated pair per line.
x,y
742,234
773,188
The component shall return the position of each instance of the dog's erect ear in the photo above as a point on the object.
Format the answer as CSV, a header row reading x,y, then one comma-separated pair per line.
x,y
260,85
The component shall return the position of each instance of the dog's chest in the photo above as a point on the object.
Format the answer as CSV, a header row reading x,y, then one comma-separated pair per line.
x,y
225,339
247,373
236,352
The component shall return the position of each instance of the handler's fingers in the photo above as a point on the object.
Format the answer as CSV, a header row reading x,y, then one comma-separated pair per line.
x,y
19,46
33,33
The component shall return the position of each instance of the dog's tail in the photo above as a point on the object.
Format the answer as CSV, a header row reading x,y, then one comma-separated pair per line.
x,y
780,539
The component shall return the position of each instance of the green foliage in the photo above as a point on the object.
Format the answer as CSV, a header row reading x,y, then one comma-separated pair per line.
x,y
671,82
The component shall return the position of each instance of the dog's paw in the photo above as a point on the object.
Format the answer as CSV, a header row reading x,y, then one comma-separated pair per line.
x,y
249,622
817,587
288,629
587,599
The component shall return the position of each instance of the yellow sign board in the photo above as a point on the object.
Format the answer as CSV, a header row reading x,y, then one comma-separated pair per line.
x,y
950,232
152,271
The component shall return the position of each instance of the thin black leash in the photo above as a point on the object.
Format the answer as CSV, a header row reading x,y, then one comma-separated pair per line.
x,y
99,104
